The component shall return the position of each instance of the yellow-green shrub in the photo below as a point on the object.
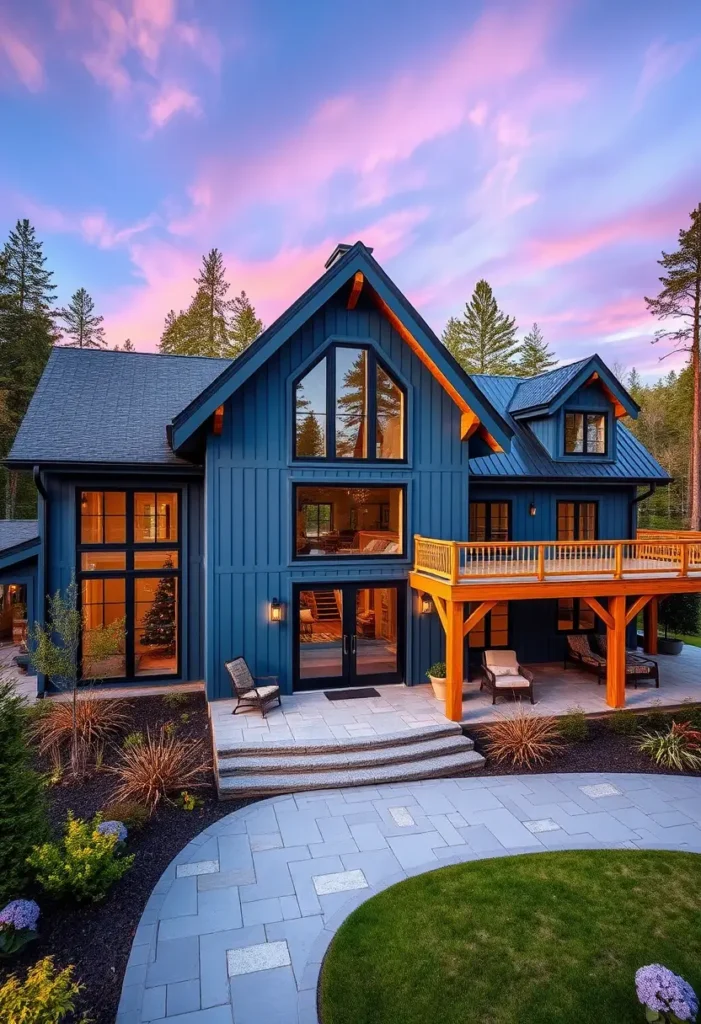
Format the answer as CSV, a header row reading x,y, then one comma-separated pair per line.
x,y
83,865
46,996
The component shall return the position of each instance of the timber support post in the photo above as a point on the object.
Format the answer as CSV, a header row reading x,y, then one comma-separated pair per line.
x,y
616,653
651,625
454,658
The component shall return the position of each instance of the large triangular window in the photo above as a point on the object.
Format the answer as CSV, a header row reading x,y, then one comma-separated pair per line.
x,y
349,406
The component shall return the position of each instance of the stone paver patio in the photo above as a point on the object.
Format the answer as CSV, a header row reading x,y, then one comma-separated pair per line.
x,y
237,927
311,716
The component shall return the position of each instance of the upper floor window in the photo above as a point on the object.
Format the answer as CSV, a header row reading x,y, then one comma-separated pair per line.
x,y
585,433
348,406
489,520
577,520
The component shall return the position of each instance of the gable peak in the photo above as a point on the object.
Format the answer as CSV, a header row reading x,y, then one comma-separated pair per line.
x,y
339,252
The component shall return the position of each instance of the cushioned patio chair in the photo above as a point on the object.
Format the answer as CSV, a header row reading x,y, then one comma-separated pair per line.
x,y
245,690
579,653
637,667
502,674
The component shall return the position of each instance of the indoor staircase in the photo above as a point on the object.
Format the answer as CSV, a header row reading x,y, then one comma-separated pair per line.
x,y
267,768
326,607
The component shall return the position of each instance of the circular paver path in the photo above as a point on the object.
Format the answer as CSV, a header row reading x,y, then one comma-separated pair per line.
x,y
237,927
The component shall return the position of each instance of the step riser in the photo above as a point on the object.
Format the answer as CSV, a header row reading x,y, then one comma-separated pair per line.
x,y
370,759
275,748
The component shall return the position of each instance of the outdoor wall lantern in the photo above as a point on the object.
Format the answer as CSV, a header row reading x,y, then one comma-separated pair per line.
x,y
426,604
276,610
532,510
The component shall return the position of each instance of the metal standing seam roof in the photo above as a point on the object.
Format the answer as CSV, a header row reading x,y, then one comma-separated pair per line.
x,y
109,407
17,531
529,459
540,390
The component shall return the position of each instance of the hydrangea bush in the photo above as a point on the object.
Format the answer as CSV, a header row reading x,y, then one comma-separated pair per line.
x,y
18,925
666,997
114,828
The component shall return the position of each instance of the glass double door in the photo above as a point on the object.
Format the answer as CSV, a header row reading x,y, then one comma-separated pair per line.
x,y
348,635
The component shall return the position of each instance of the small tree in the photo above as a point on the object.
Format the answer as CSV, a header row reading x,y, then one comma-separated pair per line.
x,y
484,339
54,652
83,328
159,622
679,614
23,819
536,357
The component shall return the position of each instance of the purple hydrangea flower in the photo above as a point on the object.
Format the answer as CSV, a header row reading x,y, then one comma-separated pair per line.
x,y
661,990
113,828
20,914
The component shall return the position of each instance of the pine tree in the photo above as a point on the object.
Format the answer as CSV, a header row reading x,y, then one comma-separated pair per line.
x,y
310,437
128,346
159,622
244,326
486,341
26,336
535,356
634,384
82,326
679,301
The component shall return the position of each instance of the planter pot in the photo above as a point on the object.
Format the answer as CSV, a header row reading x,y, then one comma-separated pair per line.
x,y
669,645
438,685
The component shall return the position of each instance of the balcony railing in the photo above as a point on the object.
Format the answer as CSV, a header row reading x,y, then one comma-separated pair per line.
x,y
460,562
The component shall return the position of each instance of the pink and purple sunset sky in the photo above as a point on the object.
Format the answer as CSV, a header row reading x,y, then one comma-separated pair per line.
x,y
551,147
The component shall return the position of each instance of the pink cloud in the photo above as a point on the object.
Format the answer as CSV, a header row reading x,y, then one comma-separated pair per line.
x,y
172,100
21,59
664,60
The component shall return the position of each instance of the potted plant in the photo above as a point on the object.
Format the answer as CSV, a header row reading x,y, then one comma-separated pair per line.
x,y
679,615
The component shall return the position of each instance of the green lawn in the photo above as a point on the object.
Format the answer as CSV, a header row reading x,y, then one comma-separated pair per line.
x,y
550,938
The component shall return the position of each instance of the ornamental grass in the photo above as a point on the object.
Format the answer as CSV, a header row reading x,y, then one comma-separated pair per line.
x,y
97,721
523,740
161,765
679,749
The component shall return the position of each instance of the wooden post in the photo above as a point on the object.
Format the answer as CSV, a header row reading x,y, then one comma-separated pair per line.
x,y
618,553
650,628
684,567
541,562
454,646
616,653
454,562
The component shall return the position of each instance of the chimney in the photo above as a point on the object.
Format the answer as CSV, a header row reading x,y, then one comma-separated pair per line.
x,y
340,251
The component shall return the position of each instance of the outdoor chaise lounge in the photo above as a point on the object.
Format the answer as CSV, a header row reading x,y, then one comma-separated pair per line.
x,y
504,676
245,690
579,652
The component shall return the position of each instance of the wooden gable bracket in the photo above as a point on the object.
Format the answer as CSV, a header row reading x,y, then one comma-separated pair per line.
x,y
618,409
355,290
469,422
218,420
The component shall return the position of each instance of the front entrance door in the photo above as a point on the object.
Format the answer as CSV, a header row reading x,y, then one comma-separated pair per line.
x,y
348,635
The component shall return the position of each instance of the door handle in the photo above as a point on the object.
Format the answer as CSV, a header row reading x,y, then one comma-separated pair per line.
x,y
353,640
345,643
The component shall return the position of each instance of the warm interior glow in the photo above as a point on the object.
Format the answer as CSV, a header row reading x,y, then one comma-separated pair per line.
x,y
349,521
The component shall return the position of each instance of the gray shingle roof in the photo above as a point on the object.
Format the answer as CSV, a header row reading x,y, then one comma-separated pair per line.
x,y
17,531
540,390
109,407
528,458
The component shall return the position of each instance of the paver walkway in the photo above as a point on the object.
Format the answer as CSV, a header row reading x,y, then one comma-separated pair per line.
x,y
238,925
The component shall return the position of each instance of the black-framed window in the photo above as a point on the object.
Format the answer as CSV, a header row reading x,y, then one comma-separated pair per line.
x,y
493,630
349,406
577,520
585,433
575,616
129,560
361,520
490,520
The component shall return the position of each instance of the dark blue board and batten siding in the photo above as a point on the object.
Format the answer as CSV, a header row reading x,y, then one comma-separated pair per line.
x,y
62,554
250,475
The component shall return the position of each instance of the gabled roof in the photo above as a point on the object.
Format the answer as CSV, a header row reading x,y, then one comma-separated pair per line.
x,y
414,330
109,408
545,394
19,541
527,458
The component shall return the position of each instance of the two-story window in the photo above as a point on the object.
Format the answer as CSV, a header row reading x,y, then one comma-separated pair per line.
x,y
349,406
129,558
576,521
585,433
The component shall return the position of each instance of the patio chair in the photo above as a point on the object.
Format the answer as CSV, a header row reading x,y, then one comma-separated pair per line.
x,y
245,690
579,653
503,675
637,667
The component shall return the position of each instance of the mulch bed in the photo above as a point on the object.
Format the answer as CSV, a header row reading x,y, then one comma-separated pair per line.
x,y
97,938
603,750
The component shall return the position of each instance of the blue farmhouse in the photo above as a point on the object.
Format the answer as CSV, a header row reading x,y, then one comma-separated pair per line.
x,y
342,504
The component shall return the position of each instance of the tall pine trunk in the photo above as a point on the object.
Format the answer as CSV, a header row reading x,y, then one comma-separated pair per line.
x,y
695,474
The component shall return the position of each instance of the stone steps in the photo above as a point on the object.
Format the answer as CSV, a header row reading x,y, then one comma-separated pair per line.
x,y
375,742
267,762
233,787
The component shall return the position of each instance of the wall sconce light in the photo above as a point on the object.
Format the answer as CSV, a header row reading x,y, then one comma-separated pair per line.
x,y
426,604
275,610
532,509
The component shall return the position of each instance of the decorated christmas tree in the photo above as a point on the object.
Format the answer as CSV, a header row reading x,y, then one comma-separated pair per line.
x,y
159,623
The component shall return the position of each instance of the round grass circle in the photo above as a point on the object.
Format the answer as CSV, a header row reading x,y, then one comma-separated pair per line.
x,y
543,938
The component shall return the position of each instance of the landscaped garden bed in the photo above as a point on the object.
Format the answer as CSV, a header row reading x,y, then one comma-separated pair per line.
x,y
545,938
97,937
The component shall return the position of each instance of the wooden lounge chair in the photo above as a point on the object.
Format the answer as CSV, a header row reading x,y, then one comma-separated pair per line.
x,y
637,667
579,653
504,676
245,690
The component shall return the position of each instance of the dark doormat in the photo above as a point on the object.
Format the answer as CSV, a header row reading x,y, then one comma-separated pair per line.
x,y
351,694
